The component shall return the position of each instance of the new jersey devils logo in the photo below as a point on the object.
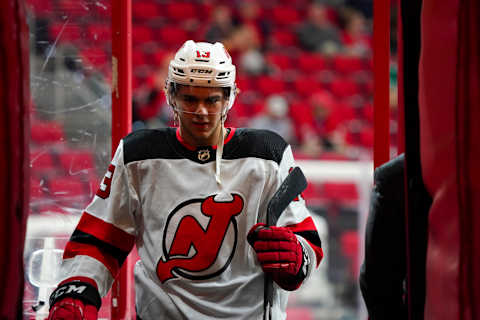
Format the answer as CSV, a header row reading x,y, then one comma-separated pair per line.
x,y
194,245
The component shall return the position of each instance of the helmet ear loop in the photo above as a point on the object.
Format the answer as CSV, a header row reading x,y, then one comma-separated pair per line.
x,y
171,102
176,119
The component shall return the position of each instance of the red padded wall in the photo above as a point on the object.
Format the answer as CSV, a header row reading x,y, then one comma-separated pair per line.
x,y
14,101
449,113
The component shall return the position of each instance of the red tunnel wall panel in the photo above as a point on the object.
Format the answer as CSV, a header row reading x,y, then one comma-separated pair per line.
x,y
449,111
14,101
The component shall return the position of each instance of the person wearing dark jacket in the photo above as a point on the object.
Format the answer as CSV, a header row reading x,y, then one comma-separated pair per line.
x,y
383,275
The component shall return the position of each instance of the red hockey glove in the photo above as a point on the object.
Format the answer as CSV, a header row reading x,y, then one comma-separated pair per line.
x,y
75,300
280,254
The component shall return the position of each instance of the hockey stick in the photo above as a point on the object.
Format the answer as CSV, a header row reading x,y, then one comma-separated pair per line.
x,y
291,187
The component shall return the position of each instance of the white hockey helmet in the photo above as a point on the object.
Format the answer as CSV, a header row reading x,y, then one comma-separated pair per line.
x,y
202,64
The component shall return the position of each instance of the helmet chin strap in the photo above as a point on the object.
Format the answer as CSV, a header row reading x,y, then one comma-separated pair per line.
x,y
220,144
219,154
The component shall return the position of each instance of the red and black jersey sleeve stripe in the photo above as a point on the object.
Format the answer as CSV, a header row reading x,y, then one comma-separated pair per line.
x,y
100,240
307,230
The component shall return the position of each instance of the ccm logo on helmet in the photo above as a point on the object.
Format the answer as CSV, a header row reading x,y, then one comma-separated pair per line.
x,y
201,71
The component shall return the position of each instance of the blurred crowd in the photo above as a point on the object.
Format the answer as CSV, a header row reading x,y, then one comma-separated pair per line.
x,y
304,68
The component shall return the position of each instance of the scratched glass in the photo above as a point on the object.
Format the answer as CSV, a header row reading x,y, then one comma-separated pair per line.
x,y
70,81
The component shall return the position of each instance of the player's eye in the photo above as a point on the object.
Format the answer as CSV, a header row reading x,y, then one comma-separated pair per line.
x,y
189,99
213,100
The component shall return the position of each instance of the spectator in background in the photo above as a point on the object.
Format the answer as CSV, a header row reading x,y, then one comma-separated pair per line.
x,y
150,108
275,118
250,13
326,120
356,37
364,6
332,3
221,26
320,125
245,44
318,34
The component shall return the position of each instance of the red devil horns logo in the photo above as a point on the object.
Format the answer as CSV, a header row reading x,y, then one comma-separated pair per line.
x,y
206,243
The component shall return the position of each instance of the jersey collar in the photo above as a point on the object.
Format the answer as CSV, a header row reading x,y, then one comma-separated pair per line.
x,y
193,148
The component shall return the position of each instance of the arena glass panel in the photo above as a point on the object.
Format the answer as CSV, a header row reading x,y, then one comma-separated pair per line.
x,y
70,71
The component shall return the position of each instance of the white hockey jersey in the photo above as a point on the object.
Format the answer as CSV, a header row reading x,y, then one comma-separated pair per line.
x,y
161,195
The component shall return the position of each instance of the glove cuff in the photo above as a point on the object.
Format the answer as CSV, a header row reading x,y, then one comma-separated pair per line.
x,y
78,290
291,283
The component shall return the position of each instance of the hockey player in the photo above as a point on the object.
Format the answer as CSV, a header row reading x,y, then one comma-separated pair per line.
x,y
188,198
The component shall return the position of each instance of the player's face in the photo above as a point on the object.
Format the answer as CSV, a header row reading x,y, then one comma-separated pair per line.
x,y
199,111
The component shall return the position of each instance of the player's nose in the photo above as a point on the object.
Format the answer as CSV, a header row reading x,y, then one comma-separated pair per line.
x,y
201,108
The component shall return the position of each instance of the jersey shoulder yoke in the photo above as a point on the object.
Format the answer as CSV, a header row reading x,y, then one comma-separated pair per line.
x,y
149,144
263,144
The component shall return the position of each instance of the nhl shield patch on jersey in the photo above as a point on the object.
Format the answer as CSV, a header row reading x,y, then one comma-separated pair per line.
x,y
203,155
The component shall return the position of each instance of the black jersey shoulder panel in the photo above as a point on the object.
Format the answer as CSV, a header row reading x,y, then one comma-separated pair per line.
x,y
256,143
150,144
163,144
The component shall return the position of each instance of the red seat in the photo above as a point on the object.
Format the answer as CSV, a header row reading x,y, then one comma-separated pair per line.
x,y
244,83
281,61
138,58
75,162
311,62
341,113
141,34
172,37
301,114
40,7
368,87
366,137
284,16
42,161
349,64
46,132
145,10
158,58
181,11
99,32
67,187
66,32
312,193
102,11
367,112
74,9
96,57
282,38
306,85
268,85
344,87
342,192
